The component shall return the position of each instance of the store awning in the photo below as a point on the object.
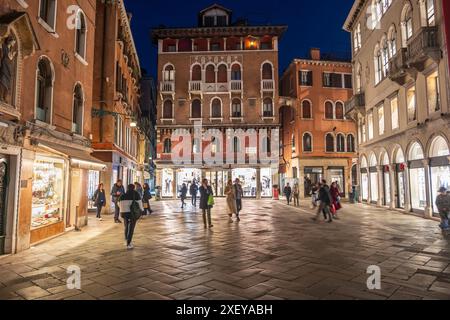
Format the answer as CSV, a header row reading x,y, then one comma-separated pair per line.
x,y
78,158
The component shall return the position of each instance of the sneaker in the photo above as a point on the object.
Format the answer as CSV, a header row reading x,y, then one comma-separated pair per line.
x,y
100,219
336,218
130,247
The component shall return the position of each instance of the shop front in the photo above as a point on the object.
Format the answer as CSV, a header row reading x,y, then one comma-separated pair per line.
x,y
247,176
337,174
312,176
93,182
218,181
266,183
386,185
167,182
188,177
400,183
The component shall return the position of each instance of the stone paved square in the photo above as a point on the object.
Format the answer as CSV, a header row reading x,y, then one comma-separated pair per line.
x,y
275,252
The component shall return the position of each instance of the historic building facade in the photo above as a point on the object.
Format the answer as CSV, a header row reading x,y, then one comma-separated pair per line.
x,y
117,138
46,73
401,102
318,140
224,75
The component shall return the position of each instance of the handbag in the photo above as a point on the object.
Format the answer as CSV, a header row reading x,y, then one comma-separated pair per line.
x,y
135,209
333,209
210,200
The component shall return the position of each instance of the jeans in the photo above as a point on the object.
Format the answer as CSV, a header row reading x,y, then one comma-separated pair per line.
x,y
288,199
194,200
444,220
129,224
116,211
99,211
325,209
207,214
238,206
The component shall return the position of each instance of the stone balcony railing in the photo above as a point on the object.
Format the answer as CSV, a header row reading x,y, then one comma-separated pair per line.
x,y
398,67
167,87
423,46
356,104
267,85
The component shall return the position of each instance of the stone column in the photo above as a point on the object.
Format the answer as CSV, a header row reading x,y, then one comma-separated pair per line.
x,y
392,186
429,197
174,183
369,187
407,192
380,186
224,44
258,183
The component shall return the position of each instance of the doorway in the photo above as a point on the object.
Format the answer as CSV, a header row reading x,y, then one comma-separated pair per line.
x,y
3,199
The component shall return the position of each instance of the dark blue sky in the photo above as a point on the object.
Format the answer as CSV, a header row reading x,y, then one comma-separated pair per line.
x,y
311,23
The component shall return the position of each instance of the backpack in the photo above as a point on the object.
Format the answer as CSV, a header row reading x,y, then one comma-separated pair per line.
x,y
135,209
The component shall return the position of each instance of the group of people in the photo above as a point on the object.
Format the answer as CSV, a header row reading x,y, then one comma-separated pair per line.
x,y
292,193
443,206
135,193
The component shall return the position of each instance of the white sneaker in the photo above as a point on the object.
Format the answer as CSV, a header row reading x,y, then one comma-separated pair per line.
x,y
100,219
130,247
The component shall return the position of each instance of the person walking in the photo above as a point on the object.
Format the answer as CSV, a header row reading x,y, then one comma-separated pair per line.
x,y
314,195
443,206
230,193
287,193
193,190
183,193
99,200
206,193
296,192
146,197
239,194
325,202
139,189
127,202
117,191
336,199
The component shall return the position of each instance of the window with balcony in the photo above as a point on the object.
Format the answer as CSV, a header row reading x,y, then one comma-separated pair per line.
x,y
169,73
306,110
47,12
329,143
236,72
329,110
305,78
394,113
411,104
307,142
339,111
268,107
216,108
196,109
44,88
340,143
351,143
381,120
236,109
385,57
364,132
168,109
78,112
196,73
222,74
407,24
210,74
433,95
392,41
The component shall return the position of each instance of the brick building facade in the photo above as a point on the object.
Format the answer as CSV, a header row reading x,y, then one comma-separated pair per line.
x,y
318,141
223,74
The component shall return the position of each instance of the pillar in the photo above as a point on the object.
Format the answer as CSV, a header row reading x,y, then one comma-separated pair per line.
x,y
429,197
258,183
174,184
393,187
380,186
407,192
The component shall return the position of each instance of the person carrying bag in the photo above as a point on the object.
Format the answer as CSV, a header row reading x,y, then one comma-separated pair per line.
x,y
131,209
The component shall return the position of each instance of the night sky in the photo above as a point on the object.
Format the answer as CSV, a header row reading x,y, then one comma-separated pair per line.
x,y
311,23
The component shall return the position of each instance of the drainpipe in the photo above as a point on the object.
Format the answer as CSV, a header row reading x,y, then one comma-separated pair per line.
x,y
102,82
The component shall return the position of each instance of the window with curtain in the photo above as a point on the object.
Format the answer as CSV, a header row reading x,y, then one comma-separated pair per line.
x,y
44,94
351,143
216,108
236,111
268,107
340,143
339,111
169,73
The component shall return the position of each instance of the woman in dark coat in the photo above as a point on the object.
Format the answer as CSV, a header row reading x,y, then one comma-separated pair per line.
x,y
205,192
99,200
335,196
146,199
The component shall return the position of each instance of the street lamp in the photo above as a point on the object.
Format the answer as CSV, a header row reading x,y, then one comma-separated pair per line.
x,y
99,113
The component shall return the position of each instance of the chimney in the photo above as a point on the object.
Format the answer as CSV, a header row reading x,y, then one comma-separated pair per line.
x,y
315,53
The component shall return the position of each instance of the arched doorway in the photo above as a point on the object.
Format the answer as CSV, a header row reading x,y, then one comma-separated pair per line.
x,y
440,167
417,181
364,179
400,178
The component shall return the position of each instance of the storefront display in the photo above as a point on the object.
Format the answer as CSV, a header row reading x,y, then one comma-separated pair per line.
x,y
48,192
400,189
440,177
373,185
440,167
188,176
266,182
93,182
387,187
167,182
248,180
417,186
337,175
313,176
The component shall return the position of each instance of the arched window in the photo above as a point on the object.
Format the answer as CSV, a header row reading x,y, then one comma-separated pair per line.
x,y
236,72
80,43
267,107
307,142
385,56
267,71
222,74
168,109
329,143
169,73
339,111
416,152
329,110
210,74
196,145
378,64
47,12
8,69
236,110
78,112
306,110
236,145
293,143
430,12
340,143
439,148
216,108
167,146
392,41
215,145
407,24
44,87
196,109
351,143
196,73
